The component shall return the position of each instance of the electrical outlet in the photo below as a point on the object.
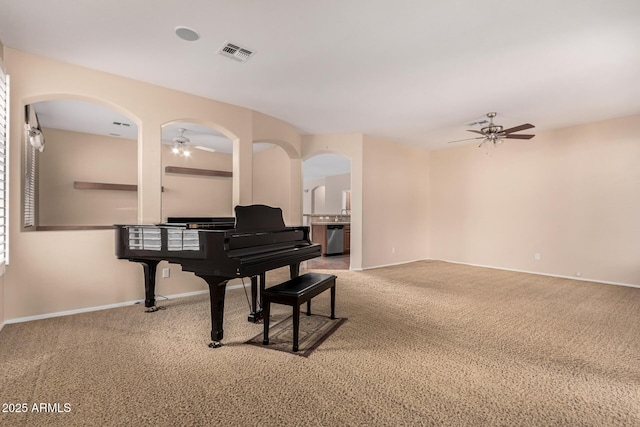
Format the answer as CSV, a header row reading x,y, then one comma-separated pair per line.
x,y
393,250
165,272
536,256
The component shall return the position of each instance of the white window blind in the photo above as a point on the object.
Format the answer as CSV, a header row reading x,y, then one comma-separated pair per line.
x,y
4,141
29,184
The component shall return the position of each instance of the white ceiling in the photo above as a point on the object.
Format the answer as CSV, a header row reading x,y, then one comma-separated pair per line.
x,y
408,71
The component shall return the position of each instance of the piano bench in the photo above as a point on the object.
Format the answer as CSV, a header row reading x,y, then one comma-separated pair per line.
x,y
295,292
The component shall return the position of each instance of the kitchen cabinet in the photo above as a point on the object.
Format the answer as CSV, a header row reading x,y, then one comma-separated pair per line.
x,y
347,238
320,235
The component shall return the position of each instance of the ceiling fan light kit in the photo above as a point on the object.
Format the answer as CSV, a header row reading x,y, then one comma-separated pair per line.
x,y
496,134
180,144
181,150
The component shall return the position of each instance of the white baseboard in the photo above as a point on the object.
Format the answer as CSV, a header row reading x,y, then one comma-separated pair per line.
x,y
103,307
1,326
386,265
580,279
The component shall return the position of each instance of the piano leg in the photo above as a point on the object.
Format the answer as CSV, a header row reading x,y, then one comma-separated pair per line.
x,y
256,313
294,270
149,267
217,288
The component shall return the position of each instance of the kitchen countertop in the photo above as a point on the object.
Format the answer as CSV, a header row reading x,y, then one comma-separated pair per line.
x,y
330,223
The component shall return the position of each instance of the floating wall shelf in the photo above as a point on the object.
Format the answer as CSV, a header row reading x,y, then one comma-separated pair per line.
x,y
81,185
200,172
73,227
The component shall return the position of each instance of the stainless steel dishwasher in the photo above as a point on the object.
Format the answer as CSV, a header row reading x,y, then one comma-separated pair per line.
x,y
335,239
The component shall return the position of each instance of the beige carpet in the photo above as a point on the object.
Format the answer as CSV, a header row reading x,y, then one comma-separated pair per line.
x,y
427,343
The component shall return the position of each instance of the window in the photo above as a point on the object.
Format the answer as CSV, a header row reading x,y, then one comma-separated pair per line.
x,y
4,142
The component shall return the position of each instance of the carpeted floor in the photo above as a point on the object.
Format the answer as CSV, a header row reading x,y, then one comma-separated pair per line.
x,y
427,343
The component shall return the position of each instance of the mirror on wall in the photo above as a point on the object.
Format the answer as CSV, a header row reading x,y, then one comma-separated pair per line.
x,y
197,164
85,173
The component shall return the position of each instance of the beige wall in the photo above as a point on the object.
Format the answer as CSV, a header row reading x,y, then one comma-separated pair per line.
x,y
571,195
272,182
394,202
285,136
74,156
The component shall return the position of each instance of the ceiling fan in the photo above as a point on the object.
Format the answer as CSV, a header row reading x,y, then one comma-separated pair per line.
x,y
180,144
495,133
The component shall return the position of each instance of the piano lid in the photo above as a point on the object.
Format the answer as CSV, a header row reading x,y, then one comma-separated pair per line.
x,y
199,219
248,218
258,217
212,223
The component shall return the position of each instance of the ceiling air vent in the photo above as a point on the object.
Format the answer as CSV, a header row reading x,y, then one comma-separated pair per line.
x,y
236,52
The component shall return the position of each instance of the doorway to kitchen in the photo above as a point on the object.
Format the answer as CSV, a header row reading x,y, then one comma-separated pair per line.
x,y
327,210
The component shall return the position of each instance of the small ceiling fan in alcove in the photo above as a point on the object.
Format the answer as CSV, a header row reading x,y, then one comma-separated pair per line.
x,y
495,133
191,137
180,144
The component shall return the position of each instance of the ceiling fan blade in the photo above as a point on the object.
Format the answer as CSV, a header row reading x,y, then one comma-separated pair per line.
x,y
467,139
518,136
518,128
475,131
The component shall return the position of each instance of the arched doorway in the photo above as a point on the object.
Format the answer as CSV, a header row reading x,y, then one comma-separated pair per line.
x,y
326,209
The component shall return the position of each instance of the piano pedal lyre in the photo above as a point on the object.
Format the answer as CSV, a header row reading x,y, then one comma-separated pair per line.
x,y
255,317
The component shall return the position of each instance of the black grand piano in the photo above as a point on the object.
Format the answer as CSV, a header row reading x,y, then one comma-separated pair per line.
x,y
217,250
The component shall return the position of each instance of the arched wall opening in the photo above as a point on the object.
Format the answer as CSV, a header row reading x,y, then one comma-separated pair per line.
x,y
82,171
197,170
326,205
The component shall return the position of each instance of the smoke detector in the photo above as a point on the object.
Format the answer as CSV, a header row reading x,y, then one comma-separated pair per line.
x,y
186,33
236,52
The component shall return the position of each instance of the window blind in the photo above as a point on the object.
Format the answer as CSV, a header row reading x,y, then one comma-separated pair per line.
x,y
29,184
